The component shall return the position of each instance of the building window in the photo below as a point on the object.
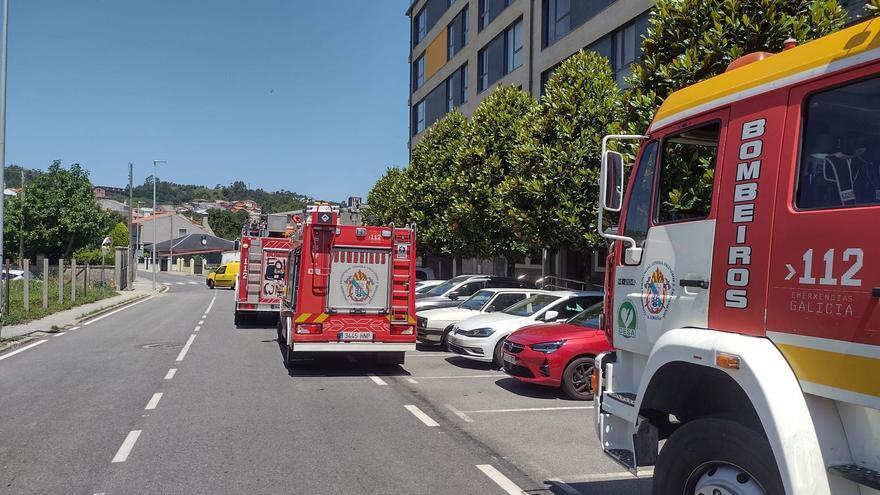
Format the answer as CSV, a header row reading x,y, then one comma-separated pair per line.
x,y
501,56
418,68
560,17
181,232
626,52
419,117
457,34
545,77
489,10
420,26
456,88
464,83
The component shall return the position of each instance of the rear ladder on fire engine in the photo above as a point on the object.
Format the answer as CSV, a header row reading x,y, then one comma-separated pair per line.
x,y
401,262
255,269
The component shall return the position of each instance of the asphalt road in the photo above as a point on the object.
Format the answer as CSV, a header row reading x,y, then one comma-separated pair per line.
x,y
167,396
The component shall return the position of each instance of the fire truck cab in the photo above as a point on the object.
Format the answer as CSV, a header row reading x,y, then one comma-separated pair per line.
x,y
743,285
349,289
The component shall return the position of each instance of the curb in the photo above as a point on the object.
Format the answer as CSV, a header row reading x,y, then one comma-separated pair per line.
x,y
16,343
82,318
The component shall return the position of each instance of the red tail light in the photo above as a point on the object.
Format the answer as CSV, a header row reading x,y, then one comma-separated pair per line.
x,y
247,306
308,328
402,330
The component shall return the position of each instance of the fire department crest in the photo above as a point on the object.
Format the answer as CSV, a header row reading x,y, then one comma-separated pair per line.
x,y
658,289
359,285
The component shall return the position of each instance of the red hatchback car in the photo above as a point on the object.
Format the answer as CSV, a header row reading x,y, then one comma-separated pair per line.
x,y
558,354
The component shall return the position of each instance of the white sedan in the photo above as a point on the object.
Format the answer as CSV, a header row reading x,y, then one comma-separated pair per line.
x,y
434,325
480,337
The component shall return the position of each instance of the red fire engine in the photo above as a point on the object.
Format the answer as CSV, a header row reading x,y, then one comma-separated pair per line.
x,y
350,289
264,248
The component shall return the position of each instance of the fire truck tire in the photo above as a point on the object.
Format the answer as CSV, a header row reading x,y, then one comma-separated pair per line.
x,y
280,330
712,455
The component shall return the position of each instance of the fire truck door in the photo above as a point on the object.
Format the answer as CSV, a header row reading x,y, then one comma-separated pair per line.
x,y
669,213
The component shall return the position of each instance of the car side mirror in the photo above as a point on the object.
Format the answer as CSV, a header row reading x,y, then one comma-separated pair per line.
x,y
453,295
491,309
551,315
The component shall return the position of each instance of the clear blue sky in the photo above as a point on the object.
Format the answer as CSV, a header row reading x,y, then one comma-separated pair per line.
x,y
308,96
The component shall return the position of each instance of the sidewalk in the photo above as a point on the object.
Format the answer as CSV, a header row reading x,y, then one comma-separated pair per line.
x,y
142,288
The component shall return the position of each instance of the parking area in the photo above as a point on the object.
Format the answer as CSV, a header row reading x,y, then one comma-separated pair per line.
x,y
544,433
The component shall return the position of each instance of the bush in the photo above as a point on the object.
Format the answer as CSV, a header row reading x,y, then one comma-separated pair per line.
x,y
17,315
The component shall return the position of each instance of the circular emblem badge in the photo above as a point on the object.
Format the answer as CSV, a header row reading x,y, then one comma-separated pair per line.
x,y
359,284
658,290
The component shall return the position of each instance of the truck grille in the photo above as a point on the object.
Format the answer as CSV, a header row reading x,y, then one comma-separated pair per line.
x,y
513,347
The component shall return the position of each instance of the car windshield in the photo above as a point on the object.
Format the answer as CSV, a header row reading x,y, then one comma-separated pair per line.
x,y
424,289
445,286
530,306
477,301
588,318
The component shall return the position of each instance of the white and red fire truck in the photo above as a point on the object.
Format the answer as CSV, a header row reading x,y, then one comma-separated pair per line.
x,y
265,245
349,289
743,289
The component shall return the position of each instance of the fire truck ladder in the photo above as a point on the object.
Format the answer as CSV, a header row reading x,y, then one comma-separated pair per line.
x,y
401,256
255,268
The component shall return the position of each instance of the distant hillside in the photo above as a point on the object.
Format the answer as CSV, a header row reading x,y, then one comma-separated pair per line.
x,y
12,175
171,193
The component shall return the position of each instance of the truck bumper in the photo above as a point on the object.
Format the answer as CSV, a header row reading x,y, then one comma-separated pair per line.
x,y
353,347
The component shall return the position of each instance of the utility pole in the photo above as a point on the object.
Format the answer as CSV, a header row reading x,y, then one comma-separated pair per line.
x,y
131,257
21,227
4,50
155,225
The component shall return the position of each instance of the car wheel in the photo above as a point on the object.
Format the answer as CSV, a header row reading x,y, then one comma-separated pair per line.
x,y
712,455
210,284
577,378
497,362
445,335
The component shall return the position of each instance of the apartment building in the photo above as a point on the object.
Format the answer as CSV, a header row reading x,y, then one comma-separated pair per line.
x,y
461,49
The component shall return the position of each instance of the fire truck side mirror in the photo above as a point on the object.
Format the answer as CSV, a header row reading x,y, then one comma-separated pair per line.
x,y
237,245
632,255
612,180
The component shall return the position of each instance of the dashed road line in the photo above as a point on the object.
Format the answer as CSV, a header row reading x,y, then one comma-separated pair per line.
x,y
377,380
502,481
180,283
211,305
464,417
412,380
424,418
198,327
449,377
72,329
193,283
13,353
127,445
529,409
154,401
170,373
118,310
185,348
59,334
201,321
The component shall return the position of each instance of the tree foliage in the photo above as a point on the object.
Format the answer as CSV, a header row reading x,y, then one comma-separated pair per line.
x,y
172,193
58,212
386,201
691,40
226,224
119,234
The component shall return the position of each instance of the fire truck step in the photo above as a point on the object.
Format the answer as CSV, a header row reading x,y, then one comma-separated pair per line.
x,y
857,474
624,457
623,397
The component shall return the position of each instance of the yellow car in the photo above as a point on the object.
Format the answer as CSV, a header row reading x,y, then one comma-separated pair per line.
x,y
224,275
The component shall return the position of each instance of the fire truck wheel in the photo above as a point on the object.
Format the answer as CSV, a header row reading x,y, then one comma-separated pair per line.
x,y
210,284
713,455
280,329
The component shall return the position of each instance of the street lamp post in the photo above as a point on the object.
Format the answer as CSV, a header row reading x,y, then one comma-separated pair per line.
x,y
155,225
3,49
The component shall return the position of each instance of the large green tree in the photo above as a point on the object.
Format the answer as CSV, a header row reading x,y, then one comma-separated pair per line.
x,y
552,192
691,40
386,201
226,224
483,163
56,215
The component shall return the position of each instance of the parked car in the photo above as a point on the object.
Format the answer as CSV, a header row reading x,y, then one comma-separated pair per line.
x,y
15,275
224,275
558,354
455,290
423,273
480,337
434,325
423,286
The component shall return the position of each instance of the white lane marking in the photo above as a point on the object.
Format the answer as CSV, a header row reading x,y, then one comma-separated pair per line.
x,y
59,334
13,353
211,305
170,373
166,284
530,409
377,380
464,417
431,354
185,348
72,329
201,321
154,401
458,376
412,380
179,283
127,445
205,315
192,283
500,480
118,310
197,328
424,418
647,472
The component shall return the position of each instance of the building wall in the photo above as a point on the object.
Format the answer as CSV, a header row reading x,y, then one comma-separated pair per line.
x,y
166,228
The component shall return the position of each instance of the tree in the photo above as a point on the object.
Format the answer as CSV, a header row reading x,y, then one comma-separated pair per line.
x,y
59,214
552,193
691,40
386,200
226,224
119,234
482,164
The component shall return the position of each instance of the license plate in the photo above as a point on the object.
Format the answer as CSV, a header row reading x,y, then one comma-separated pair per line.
x,y
508,358
355,335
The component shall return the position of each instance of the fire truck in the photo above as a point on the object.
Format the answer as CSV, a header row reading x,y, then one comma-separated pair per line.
x,y
349,289
265,244
743,284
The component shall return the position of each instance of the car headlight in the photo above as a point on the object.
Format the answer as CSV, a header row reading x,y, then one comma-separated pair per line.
x,y
476,332
547,347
